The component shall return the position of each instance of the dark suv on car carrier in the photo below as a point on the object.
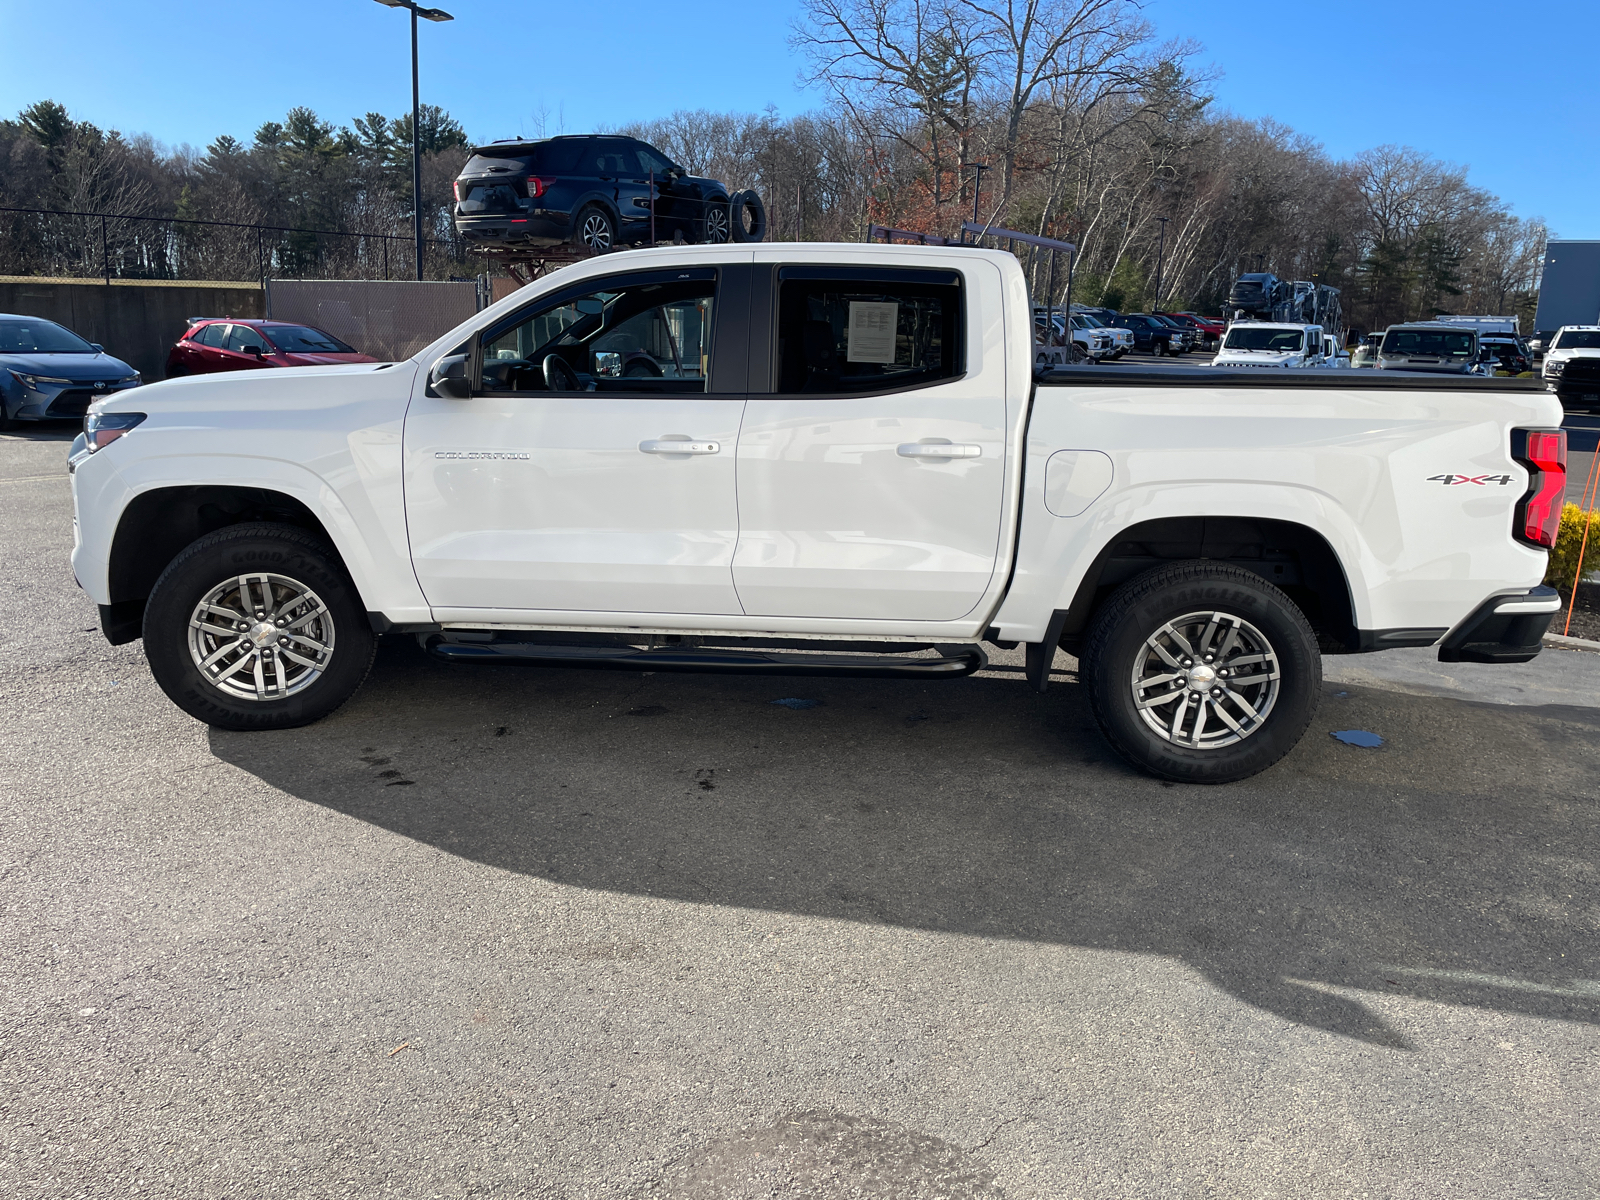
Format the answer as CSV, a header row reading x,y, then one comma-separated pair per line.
x,y
593,192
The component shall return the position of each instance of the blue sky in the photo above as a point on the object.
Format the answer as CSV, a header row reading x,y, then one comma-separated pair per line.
x,y
1509,91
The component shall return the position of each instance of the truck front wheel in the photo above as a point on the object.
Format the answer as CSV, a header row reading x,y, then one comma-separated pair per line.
x,y
257,627
1202,672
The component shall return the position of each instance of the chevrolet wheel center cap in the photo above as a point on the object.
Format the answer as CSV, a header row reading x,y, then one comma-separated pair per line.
x,y
1201,677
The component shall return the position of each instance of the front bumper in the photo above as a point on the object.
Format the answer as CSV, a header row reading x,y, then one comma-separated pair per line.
x,y
57,402
1503,629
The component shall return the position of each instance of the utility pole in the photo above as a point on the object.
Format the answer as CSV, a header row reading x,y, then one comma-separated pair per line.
x,y
431,14
1161,245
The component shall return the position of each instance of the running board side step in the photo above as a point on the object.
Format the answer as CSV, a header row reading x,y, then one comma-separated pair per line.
x,y
964,661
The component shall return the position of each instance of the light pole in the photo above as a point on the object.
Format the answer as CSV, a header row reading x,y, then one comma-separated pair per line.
x,y
1161,245
977,187
431,14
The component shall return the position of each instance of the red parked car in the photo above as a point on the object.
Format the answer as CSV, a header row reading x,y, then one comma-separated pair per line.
x,y
1209,328
239,344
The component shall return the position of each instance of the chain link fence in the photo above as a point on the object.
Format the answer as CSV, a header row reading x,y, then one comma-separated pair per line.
x,y
390,320
86,245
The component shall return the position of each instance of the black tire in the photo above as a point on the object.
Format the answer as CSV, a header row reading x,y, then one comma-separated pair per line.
x,y
595,230
748,204
1160,348
6,423
268,550
1138,613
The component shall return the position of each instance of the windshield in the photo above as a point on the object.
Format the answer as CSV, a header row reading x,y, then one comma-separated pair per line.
x,y
301,339
1089,322
40,337
1577,339
1428,343
1245,338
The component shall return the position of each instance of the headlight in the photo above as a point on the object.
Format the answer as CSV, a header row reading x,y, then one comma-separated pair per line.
x,y
134,378
101,429
1555,368
34,381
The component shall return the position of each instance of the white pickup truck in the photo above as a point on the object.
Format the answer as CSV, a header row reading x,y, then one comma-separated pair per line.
x,y
816,460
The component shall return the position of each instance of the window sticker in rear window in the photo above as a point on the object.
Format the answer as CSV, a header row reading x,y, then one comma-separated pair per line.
x,y
870,335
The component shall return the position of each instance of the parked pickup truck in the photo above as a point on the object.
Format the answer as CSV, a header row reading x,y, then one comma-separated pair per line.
x,y
810,459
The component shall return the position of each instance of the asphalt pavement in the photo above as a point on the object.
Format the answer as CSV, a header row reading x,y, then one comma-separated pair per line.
x,y
493,932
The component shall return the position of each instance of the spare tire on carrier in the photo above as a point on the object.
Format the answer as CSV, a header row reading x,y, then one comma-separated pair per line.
x,y
745,206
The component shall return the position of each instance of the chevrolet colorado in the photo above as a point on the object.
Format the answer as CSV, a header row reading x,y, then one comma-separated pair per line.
x,y
817,459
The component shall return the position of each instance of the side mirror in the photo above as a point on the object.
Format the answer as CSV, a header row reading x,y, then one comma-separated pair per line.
x,y
256,350
449,378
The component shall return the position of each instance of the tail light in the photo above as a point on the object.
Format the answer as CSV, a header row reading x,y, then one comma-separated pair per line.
x,y
455,185
1544,453
537,186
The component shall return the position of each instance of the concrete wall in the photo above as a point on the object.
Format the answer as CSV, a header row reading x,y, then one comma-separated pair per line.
x,y
136,320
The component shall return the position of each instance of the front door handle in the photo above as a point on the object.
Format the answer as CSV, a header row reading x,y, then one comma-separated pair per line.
x,y
668,445
937,450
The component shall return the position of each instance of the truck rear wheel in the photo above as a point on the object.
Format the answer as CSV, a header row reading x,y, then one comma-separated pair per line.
x,y
1202,672
257,627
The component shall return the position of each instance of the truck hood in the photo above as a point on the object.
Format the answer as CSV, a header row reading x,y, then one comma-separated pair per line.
x,y
245,391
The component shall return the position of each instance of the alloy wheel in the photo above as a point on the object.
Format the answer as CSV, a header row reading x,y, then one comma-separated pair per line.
x,y
596,232
1205,680
717,225
261,637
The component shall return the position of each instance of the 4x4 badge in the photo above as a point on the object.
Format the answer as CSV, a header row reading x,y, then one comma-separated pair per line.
x,y
1480,480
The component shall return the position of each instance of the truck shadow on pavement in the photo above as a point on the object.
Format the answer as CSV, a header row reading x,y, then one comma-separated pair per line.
x,y
1455,864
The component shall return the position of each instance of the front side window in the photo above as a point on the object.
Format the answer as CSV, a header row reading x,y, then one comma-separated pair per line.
x,y
651,335
649,161
842,335
242,338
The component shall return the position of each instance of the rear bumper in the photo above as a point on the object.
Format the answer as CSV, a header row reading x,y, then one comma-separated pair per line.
x,y
1508,628
503,230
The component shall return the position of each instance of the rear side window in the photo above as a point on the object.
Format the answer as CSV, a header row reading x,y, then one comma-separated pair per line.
x,y
211,335
865,335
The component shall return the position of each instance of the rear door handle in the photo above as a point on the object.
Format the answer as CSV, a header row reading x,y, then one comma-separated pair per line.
x,y
679,446
937,450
